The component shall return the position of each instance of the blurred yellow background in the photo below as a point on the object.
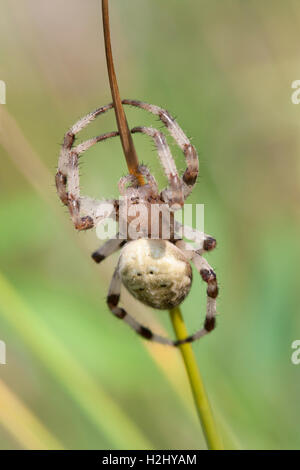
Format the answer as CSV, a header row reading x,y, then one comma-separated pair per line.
x,y
76,377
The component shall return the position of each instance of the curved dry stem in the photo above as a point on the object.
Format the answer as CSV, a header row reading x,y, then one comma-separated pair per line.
x,y
125,135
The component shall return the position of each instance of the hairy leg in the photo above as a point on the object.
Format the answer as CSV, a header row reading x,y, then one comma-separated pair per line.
x,y
113,299
108,249
204,242
173,195
192,164
68,177
209,276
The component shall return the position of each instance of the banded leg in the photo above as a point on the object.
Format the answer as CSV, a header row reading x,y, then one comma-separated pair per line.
x,y
208,275
69,138
205,242
113,299
124,181
192,164
108,249
68,175
151,181
132,179
173,195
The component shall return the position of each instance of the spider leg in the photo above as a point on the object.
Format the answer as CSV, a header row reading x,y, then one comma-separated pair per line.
x,y
86,120
68,173
113,299
79,149
144,171
174,194
209,276
124,181
205,242
69,138
192,164
108,249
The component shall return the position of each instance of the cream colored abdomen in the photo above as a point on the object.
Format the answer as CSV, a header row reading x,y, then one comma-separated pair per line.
x,y
155,272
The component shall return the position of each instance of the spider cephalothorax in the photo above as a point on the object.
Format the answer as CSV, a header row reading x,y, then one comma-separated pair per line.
x,y
156,271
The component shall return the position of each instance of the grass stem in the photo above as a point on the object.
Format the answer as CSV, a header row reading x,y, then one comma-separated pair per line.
x,y
204,411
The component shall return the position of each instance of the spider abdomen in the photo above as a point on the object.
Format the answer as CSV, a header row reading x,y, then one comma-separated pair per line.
x,y
155,272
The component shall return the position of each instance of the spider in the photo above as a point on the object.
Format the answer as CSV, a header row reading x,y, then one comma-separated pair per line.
x,y
157,272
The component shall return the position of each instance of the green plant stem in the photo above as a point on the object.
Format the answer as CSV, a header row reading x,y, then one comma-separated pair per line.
x,y
209,427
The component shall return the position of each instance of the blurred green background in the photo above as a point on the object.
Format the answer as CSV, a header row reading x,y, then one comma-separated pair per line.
x,y
76,377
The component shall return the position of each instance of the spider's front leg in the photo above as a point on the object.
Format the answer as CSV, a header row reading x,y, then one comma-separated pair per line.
x,y
132,179
67,177
173,195
64,163
192,164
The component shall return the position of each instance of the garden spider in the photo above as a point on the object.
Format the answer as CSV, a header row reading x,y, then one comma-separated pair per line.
x,y
157,272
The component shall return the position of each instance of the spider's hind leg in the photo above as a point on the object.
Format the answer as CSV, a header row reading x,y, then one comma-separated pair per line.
x,y
204,241
113,299
208,275
107,249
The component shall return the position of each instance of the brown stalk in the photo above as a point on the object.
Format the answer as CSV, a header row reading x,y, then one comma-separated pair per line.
x,y
125,135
